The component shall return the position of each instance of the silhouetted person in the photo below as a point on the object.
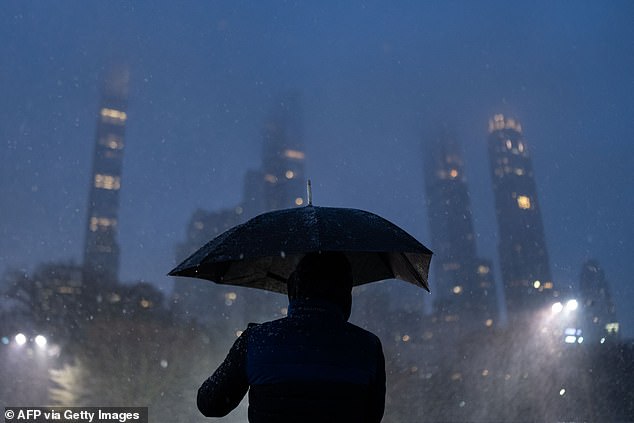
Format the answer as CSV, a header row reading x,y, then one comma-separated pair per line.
x,y
311,366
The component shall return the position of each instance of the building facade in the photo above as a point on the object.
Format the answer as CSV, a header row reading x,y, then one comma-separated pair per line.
x,y
524,263
283,156
101,251
465,289
278,183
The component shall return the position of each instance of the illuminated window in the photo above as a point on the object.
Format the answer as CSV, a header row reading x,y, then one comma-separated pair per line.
x,y
113,116
483,270
523,202
548,285
101,223
519,171
294,154
485,372
112,141
145,303
537,284
488,323
457,289
406,338
520,147
453,173
299,201
107,181
612,327
270,178
509,144
289,174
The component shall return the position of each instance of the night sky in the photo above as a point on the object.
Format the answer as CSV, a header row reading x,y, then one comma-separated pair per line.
x,y
375,80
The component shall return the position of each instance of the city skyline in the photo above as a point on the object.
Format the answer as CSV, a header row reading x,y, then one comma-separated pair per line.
x,y
201,87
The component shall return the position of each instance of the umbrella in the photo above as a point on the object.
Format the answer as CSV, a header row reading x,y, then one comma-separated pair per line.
x,y
264,251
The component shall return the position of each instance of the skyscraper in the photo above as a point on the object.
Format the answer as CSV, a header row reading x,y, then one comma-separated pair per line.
x,y
278,183
521,242
598,321
101,250
465,291
283,156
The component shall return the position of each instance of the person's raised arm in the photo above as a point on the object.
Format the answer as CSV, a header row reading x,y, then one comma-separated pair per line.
x,y
223,391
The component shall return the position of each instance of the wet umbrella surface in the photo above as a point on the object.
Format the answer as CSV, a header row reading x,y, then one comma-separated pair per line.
x,y
264,251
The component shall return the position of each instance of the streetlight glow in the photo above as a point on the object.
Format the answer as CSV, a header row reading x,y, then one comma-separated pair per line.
x,y
572,305
557,307
20,339
40,340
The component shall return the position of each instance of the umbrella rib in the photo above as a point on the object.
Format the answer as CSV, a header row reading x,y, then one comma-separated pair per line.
x,y
276,277
412,269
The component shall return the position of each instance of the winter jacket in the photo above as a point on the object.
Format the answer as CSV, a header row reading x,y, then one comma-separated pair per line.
x,y
311,366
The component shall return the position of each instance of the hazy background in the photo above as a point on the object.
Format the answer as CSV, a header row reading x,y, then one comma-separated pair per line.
x,y
375,80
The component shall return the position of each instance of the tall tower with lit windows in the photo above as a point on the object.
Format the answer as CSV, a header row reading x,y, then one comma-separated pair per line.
x,y
521,242
101,250
283,156
278,183
465,292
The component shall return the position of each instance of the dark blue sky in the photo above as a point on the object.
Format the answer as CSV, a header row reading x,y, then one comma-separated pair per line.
x,y
375,79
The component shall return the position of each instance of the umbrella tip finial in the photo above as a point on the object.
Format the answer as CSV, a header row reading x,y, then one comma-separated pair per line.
x,y
309,192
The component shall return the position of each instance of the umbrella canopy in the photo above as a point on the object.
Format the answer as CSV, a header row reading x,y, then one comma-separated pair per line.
x,y
264,251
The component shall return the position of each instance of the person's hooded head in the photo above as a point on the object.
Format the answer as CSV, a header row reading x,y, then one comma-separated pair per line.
x,y
323,276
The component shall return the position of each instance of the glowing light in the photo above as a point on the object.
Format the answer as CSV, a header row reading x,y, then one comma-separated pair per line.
x,y
580,339
40,340
102,223
164,363
557,307
570,339
603,340
145,303
238,333
108,182
453,173
112,142
612,327
457,289
488,323
523,202
572,305
289,174
114,115
405,338
299,201
537,284
562,392
483,270
231,296
20,339
294,154
270,178
485,372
